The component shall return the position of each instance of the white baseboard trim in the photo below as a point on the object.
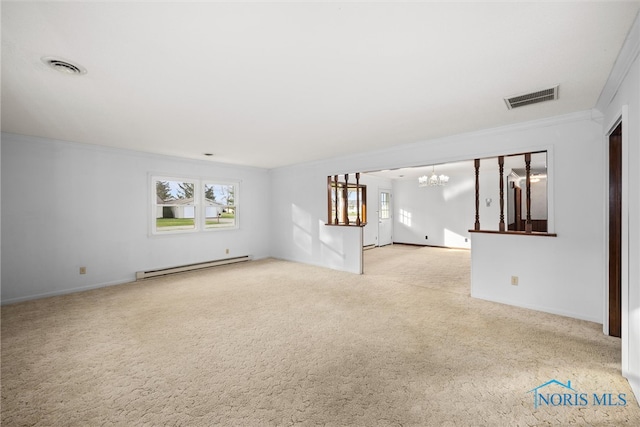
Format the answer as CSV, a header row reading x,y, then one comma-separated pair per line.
x,y
538,308
634,382
67,291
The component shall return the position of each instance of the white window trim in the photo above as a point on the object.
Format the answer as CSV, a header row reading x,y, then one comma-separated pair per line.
x,y
198,203
236,195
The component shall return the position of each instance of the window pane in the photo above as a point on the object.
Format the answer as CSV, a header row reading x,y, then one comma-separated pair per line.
x,y
175,208
384,205
220,206
174,192
353,195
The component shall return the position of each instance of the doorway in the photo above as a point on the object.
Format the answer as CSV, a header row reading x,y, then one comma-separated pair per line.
x,y
385,218
516,225
615,232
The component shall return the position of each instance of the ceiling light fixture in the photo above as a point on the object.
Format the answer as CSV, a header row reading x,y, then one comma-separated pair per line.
x,y
434,180
64,66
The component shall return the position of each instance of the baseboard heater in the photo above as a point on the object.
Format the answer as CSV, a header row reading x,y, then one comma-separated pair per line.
x,y
190,267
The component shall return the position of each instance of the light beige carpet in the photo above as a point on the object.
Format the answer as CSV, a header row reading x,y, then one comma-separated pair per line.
x,y
277,343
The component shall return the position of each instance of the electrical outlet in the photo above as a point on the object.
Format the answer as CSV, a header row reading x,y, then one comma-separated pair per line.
x,y
426,237
514,280
83,270
226,251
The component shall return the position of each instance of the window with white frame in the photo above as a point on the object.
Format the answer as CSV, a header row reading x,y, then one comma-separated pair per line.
x,y
188,205
219,205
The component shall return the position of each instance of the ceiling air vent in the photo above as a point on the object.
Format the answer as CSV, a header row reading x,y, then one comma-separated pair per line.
x,y
532,98
63,65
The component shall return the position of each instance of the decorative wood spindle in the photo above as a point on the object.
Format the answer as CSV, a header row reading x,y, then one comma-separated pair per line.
x,y
501,168
358,198
477,167
345,198
329,193
527,162
335,178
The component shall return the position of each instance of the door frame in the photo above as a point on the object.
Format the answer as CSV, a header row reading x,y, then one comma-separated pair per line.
x,y
517,208
614,181
621,118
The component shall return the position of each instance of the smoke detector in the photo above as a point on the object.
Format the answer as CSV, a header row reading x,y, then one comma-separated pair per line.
x,y
64,66
542,95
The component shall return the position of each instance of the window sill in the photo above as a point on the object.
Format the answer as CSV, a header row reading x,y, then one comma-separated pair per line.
x,y
362,224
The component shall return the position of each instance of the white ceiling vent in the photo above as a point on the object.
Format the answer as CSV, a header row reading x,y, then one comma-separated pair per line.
x,y
543,95
64,66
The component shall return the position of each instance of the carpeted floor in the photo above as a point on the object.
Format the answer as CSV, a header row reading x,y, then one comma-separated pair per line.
x,y
272,342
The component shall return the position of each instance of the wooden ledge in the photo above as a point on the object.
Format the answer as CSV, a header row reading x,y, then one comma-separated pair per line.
x,y
515,233
362,224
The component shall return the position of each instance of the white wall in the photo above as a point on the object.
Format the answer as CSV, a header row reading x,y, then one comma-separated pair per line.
x,y
85,188
556,274
561,275
444,214
68,205
570,263
621,97
298,217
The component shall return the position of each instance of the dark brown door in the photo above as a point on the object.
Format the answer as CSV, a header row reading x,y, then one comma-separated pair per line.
x,y
615,232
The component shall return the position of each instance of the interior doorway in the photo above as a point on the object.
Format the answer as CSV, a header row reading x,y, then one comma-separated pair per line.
x,y
615,232
385,218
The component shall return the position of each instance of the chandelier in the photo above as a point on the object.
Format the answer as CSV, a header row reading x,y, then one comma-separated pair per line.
x,y
433,180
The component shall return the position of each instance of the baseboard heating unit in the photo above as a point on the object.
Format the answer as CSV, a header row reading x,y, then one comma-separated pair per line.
x,y
190,267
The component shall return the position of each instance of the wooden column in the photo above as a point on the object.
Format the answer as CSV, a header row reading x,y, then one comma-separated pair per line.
x,y
335,177
527,162
477,167
358,198
345,207
329,201
501,226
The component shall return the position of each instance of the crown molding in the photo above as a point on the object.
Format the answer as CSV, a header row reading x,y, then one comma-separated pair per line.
x,y
627,56
375,160
33,139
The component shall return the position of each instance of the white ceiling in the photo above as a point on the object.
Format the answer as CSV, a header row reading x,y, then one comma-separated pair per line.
x,y
270,84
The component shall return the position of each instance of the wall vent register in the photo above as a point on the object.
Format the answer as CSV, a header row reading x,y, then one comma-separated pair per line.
x,y
521,100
